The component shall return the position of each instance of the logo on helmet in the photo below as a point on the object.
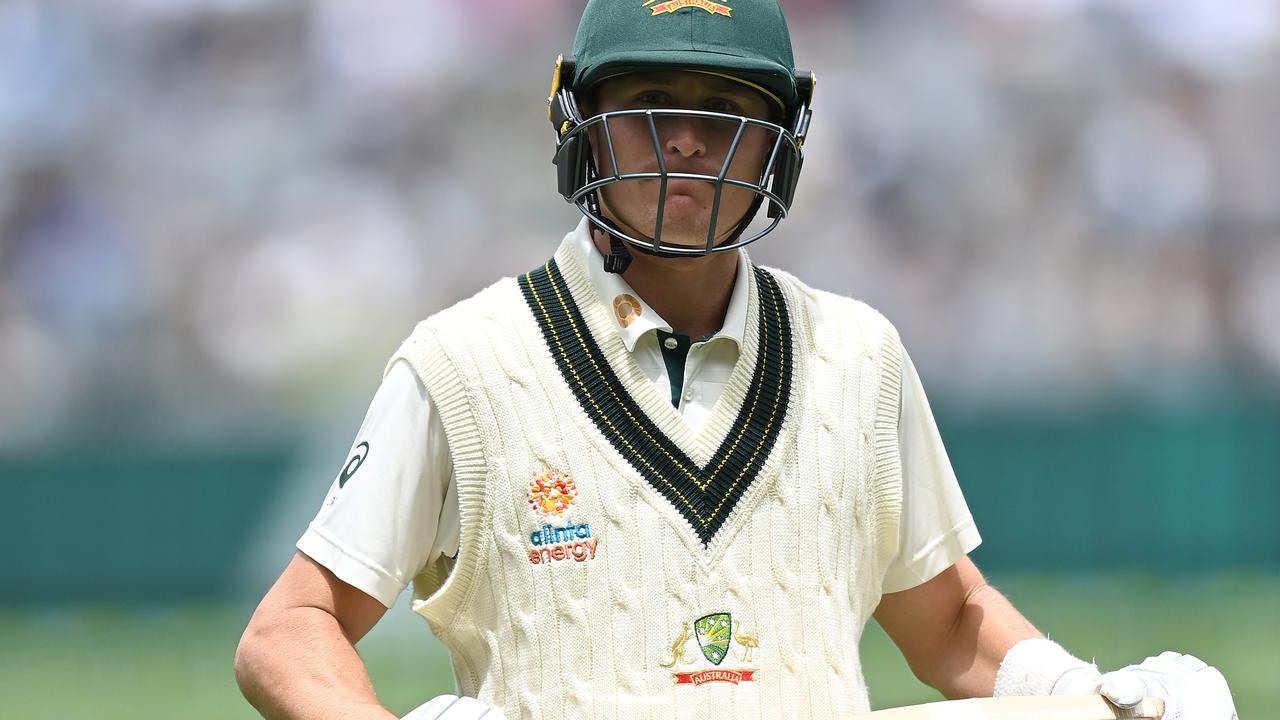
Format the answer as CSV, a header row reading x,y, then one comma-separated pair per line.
x,y
671,6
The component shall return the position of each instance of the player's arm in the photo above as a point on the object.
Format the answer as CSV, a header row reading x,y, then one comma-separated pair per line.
x,y
386,516
954,630
963,637
297,657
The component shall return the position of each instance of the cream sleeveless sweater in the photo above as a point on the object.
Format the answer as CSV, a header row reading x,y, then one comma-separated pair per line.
x,y
613,563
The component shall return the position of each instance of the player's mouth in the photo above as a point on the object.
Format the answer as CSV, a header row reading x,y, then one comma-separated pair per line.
x,y
692,189
699,190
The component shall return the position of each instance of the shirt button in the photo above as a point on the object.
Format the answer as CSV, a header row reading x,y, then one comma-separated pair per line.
x,y
671,343
689,395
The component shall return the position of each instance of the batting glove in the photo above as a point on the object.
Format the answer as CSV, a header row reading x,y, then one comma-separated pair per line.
x,y
452,707
1191,688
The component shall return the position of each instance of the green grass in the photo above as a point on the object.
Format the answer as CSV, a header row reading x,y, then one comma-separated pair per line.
x,y
108,664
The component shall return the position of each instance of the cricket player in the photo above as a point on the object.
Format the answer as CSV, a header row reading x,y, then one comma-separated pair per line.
x,y
648,478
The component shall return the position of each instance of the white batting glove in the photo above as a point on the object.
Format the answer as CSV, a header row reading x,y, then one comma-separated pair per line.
x,y
452,707
1191,689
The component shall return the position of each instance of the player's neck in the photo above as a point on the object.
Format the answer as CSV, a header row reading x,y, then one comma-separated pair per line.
x,y
691,294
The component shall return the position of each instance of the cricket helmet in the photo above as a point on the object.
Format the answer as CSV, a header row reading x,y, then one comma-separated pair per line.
x,y
743,40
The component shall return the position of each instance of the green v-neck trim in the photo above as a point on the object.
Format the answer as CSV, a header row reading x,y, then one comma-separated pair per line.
x,y
703,495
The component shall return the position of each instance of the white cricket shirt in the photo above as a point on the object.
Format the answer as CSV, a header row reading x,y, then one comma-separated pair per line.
x,y
397,509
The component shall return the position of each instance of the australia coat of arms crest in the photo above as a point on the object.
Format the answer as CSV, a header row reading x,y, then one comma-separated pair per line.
x,y
716,635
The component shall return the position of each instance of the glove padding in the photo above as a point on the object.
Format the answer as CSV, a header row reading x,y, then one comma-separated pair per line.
x,y
452,707
1191,689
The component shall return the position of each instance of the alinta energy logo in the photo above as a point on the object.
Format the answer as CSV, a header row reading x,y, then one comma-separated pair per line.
x,y
670,6
552,494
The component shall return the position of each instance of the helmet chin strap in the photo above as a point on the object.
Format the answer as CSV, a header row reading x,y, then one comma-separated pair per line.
x,y
619,257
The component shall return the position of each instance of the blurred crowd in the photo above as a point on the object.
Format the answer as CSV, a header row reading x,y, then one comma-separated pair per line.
x,y
220,216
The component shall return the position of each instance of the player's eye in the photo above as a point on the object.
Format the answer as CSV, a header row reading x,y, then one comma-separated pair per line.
x,y
653,98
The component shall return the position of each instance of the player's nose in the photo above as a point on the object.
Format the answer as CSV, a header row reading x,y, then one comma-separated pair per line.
x,y
685,138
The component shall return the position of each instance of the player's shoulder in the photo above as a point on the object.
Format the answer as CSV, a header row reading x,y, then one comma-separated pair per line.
x,y
827,311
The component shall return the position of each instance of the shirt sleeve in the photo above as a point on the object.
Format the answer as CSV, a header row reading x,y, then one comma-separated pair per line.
x,y
392,509
937,528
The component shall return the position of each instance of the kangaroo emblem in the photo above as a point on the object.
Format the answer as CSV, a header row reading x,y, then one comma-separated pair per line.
x,y
677,648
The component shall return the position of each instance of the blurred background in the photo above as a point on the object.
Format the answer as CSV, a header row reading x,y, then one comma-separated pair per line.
x,y
218,218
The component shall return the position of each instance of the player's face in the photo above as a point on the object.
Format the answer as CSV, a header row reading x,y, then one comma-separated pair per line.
x,y
689,145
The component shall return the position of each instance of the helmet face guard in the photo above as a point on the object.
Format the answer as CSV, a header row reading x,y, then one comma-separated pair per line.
x,y
581,179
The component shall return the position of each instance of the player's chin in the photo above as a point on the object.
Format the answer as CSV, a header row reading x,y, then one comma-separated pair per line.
x,y
691,231
686,220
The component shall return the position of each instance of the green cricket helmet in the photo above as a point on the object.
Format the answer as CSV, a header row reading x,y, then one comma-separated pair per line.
x,y
743,40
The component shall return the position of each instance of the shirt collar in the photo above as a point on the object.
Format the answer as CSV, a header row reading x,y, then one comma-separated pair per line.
x,y
632,315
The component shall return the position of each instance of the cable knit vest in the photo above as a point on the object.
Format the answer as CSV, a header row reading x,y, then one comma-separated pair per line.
x,y
614,563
